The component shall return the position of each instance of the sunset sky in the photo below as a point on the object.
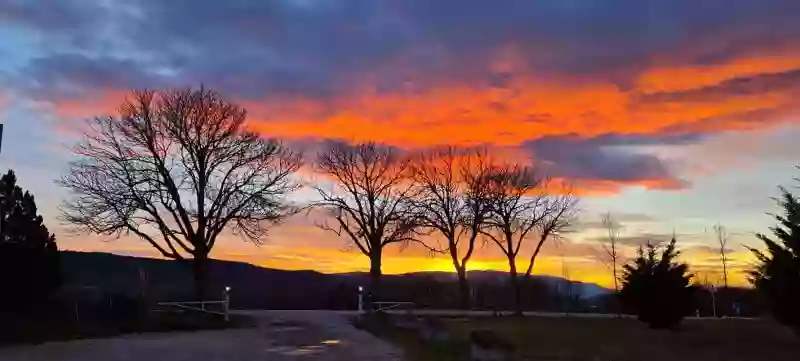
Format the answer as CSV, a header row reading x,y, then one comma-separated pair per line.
x,y
674,115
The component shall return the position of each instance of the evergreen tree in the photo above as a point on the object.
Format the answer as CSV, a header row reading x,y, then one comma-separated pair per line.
x,y
656,286
777,276
29,266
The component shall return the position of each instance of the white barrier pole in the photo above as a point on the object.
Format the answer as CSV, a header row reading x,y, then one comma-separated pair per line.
x,y
360,299
227,302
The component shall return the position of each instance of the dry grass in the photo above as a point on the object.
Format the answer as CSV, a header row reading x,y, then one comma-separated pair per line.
x,y
544,338
624,339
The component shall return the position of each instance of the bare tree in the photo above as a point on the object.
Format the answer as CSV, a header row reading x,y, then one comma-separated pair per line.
x,y
517,209
612,257
522,207
569,296
722,242
452,198
177,168
371,200
558,218
610,246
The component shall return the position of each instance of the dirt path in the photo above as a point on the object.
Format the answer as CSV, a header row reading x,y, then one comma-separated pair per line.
x,y
279,336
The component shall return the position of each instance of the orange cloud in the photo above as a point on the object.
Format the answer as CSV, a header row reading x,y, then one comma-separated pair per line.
x,y
601,187
527,105
101,103
680,78
530,106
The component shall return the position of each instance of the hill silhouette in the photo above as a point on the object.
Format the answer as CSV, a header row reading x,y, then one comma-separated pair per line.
x,y
258,287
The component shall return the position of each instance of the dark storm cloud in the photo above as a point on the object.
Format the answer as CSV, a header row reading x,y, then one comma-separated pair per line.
x,y
50,15
317,48
74,73
605,157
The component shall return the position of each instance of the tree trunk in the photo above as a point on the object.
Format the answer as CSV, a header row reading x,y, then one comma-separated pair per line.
x,y
200,274
461,271
375,275
515,286
463,288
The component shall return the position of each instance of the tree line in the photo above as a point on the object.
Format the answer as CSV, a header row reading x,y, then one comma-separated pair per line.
x,y
176,168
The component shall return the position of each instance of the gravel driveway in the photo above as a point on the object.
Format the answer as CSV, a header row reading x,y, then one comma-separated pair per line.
x,y
279,336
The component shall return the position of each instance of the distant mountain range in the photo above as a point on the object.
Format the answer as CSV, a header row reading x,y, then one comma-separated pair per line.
x,y
258,287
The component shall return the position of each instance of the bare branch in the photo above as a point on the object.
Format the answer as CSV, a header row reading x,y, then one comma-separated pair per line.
x,y
440,201
521,206
610,245
178,164
559,217
722,242
370,198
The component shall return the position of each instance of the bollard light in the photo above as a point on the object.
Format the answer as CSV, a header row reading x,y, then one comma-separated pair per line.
x,y
360,289
227,288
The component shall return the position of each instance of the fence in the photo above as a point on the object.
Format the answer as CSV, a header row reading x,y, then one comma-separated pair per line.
x,y
202,306
381,306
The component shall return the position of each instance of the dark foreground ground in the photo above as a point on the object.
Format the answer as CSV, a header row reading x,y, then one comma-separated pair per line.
x,y
574,338
274,336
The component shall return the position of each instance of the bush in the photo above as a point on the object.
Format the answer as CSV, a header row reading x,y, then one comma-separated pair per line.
x,y
656,287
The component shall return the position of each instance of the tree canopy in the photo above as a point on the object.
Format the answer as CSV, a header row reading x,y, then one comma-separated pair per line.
x,y
777,274
28,253
370,200
176,168
656,286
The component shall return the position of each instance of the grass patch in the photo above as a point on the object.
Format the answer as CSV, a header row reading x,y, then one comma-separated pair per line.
x,y
575,338
415,347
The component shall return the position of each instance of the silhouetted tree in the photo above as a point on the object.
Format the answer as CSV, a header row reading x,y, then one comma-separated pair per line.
x,y
777,275
29,263
612,256
520,209
611,246
722,242
451,197
177,168
558,218
370,200
656,286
